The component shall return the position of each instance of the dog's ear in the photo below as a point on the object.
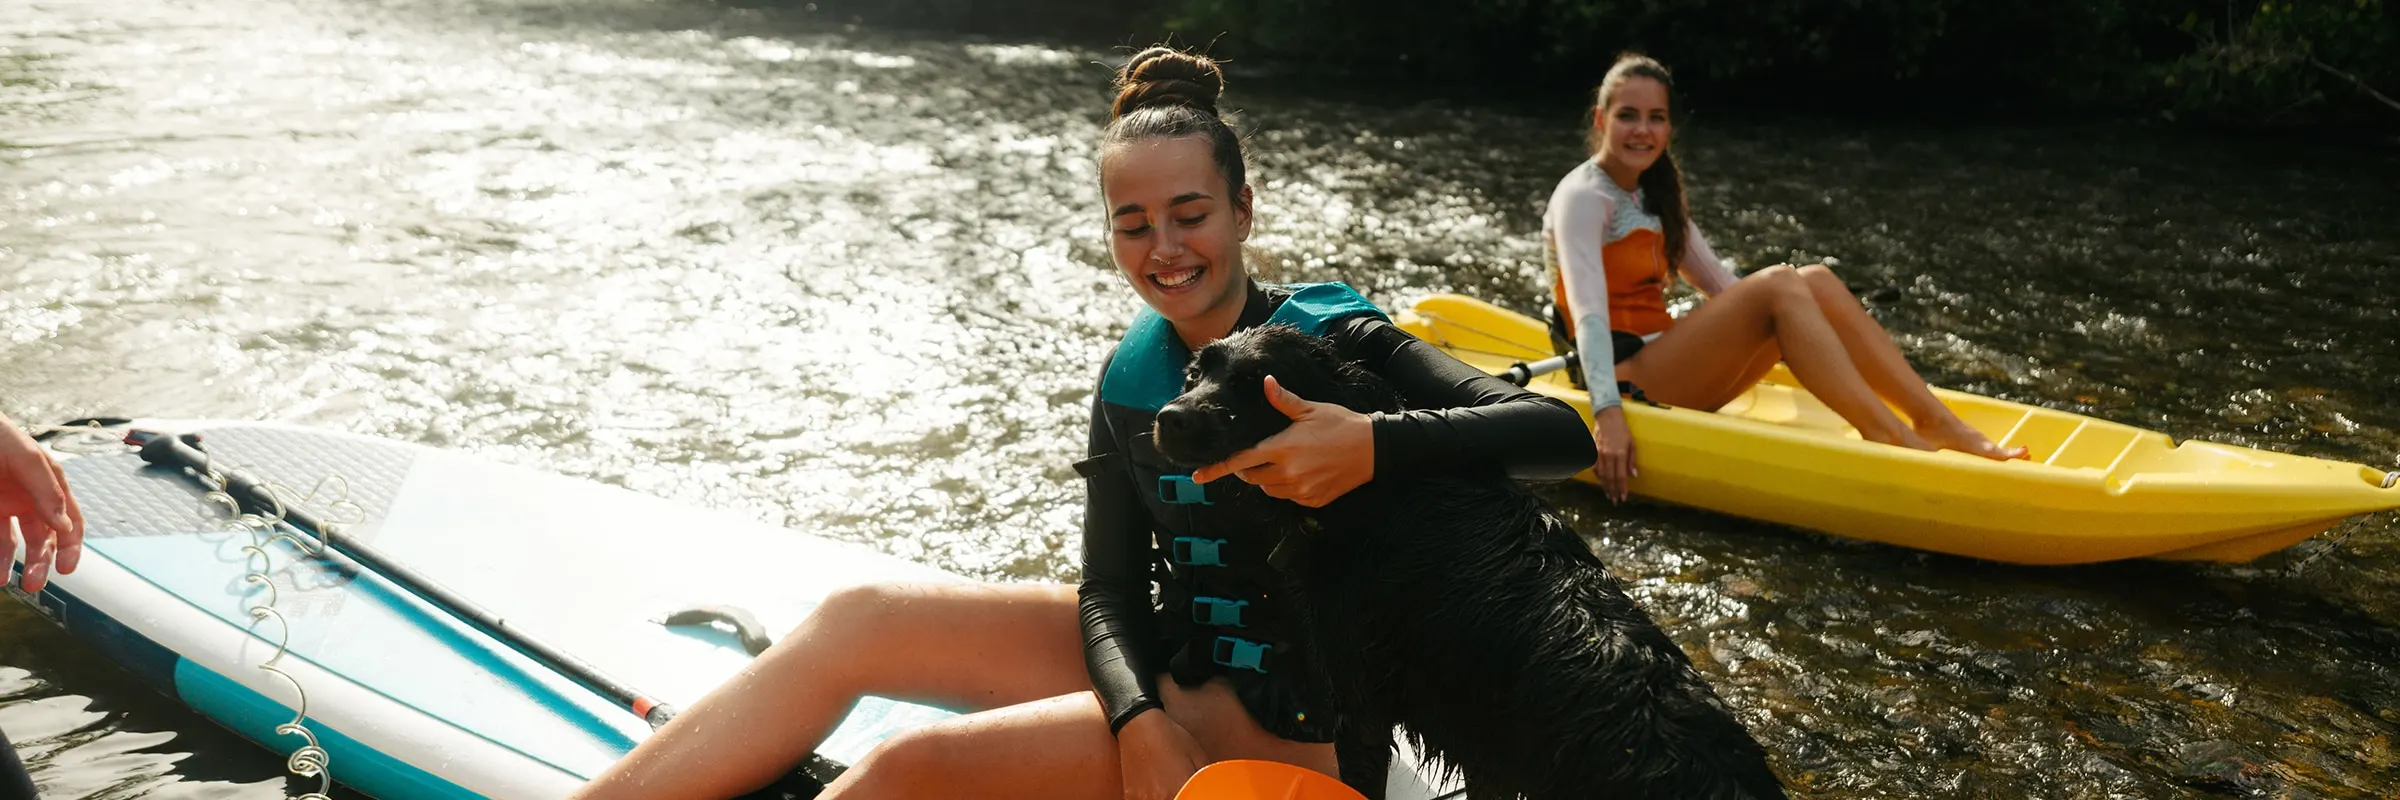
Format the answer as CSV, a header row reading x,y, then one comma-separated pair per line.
x,y
1305,365
1332,379
1365,391
1210,357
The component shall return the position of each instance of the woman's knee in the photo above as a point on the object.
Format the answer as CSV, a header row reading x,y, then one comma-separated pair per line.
x,y
1821,281
878,604
876,616
1784,286
868,606
1028,636
1783,277
912,763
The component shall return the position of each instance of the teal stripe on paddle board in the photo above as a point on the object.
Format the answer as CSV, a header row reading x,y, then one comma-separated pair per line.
x,y
422,658
255,716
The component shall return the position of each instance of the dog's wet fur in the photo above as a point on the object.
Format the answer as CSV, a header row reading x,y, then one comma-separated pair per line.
x,y
1456,607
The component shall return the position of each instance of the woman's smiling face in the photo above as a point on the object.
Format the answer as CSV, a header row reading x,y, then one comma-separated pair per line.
x,y
1176,231
1634,128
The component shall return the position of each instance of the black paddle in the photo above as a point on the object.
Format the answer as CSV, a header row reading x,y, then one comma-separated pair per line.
x,y
175,452
1521,373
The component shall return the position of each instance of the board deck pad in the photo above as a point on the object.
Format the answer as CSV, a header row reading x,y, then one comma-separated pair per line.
x,y
576,563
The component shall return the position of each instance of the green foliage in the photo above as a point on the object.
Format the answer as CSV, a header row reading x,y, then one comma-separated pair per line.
x,y
2244,60
2270,61
2273,59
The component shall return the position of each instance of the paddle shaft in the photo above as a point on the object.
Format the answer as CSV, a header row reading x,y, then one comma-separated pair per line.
x,y
168,450
1522,373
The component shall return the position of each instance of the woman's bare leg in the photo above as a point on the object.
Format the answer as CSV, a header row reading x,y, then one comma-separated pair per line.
x,y
967,647
1880,362
1761,363
1057,747
1695,361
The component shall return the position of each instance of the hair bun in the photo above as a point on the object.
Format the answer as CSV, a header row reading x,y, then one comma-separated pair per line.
x,y
1166,77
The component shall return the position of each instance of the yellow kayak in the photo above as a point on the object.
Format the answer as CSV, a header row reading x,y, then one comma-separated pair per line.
x,y
2093,490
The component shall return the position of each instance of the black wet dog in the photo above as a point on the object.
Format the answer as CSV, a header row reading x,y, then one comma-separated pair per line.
x,y
1456,607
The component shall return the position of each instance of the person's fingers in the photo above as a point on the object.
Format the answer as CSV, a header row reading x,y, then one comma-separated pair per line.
x,y
1280,490
70,538
1311,493
24,464
1234,463
1264,474
1283,400
40,548
1606,470
1615,477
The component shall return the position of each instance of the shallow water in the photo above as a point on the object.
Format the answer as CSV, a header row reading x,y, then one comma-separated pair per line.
x,y
852,282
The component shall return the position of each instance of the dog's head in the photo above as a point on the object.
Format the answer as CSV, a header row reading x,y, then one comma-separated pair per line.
x,y
1224,410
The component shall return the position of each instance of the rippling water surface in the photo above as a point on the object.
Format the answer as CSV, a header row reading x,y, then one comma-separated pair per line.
x,y
852,282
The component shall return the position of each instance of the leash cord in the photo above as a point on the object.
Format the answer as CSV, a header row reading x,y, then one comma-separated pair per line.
x,y
310,760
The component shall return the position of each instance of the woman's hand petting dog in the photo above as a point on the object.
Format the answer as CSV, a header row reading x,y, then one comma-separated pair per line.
x,y
1157,756
1328,451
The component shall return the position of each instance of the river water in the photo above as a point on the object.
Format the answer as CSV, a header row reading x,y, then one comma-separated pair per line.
x,y
853,282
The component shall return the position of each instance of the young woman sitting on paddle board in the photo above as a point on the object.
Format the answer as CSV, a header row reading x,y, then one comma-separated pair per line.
x,y
1107,691
1618,228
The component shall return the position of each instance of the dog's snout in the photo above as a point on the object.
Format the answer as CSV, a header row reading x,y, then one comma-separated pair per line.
x,y
1179,420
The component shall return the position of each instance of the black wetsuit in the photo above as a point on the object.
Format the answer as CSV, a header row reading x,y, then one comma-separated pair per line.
x,y
1145,523
15,783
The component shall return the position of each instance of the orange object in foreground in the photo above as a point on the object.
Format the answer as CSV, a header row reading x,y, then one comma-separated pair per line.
x,y
1263,780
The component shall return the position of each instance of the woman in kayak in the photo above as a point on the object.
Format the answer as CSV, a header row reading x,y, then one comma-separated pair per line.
x,y
1617,230
1108,690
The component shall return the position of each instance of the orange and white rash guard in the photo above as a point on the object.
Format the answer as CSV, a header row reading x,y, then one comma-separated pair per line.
x,y
1609,256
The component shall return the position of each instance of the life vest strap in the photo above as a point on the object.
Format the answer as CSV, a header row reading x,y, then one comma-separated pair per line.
x,y
1220,612
1240,653
1194,551
1181,490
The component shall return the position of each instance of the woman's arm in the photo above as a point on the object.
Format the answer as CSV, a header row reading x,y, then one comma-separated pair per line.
x,y
1460,416
1700,264
1578,225
1115,595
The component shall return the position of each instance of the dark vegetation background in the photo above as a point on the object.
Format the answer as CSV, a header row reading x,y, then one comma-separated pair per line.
x,y
2310,64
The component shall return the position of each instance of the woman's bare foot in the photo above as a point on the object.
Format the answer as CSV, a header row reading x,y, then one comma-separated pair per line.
x,y
1957,435
1900,436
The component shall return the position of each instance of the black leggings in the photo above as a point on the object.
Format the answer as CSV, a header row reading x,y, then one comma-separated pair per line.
x,y
1625,345
14,783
